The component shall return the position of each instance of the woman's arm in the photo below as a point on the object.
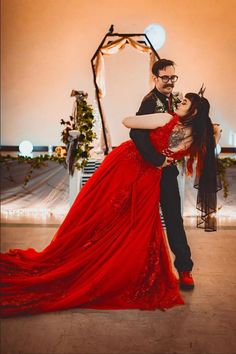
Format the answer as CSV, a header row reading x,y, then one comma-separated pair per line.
x,y
147,121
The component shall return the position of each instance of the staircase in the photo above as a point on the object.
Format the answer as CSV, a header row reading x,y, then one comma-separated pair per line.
x,y
89,169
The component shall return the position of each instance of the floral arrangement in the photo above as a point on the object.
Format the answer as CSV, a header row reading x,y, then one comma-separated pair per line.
x,y
78,132
60,151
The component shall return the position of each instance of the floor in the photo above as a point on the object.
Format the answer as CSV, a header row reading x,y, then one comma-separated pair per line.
x,y
206,324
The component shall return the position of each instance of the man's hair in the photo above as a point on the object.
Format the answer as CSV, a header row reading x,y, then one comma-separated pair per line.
x,y
160,65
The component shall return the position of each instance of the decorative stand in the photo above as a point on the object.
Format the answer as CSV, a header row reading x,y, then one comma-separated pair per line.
x,y
74,185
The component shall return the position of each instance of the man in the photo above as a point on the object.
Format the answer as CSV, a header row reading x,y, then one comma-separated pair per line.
x,y
161,99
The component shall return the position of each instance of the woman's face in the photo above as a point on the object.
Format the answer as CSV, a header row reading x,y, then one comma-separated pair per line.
x,y
183,107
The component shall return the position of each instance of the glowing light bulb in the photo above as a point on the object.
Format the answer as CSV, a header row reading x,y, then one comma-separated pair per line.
x,y
156,35
26,148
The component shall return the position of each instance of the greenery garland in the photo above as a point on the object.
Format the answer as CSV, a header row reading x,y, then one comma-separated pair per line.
x,y
82,120
39,161
33,163
222,165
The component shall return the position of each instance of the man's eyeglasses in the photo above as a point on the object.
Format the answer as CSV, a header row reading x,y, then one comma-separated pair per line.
x,y
166,78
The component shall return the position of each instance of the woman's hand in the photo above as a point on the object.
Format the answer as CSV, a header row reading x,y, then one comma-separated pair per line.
x,y
166,163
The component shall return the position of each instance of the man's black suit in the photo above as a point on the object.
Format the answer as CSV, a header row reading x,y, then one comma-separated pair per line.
x,y
169,195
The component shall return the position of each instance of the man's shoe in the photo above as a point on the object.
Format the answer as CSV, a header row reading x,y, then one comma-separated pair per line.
x,y
186,280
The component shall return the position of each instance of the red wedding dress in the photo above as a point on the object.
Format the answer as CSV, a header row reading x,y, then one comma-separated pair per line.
x,y
109,253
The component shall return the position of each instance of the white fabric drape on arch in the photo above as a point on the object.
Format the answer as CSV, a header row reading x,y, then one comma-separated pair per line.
x,y
110,49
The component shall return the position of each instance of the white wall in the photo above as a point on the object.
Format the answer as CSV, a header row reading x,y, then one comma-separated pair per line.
x,y
47,46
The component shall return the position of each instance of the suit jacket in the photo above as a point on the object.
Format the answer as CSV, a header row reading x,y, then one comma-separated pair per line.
x,y
153,102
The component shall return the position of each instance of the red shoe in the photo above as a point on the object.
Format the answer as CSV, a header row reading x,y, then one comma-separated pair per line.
x,y
186,280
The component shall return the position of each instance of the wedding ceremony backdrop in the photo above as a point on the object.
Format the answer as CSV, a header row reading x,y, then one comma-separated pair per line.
x,y
48,47
98,66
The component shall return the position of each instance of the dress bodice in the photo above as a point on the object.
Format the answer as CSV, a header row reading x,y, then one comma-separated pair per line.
x,y
172,139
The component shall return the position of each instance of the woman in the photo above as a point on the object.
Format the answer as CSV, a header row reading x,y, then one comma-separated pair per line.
x,y
110,251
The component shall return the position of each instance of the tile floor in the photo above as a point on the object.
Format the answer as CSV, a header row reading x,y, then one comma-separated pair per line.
x,y
205,325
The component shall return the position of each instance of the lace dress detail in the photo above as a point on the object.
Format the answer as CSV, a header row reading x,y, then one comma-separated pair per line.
x,y
172,140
